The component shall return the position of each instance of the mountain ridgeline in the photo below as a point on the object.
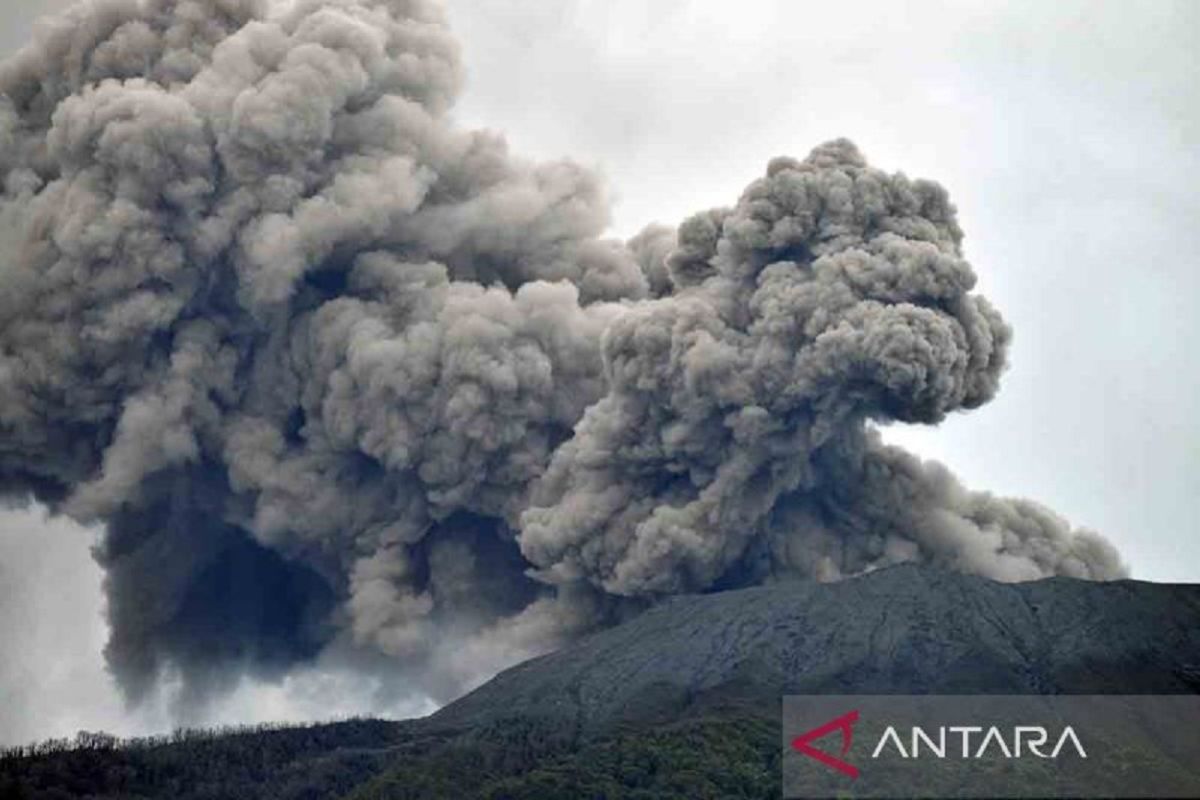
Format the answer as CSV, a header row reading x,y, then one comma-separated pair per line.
x,y
681,701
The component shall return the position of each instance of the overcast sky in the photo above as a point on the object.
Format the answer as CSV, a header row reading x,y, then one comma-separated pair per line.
x,y
1064,131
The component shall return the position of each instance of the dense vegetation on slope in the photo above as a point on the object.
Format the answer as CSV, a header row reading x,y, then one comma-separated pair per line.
x,y
269,761
714,757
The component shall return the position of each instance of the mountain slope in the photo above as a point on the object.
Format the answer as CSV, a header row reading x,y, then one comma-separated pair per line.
x,y
902,630
683,701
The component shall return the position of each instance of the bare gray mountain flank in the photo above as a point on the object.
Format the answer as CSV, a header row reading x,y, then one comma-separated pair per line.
x,y
906,629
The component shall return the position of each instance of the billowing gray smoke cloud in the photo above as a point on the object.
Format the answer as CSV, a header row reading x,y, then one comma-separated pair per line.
x,y
338,375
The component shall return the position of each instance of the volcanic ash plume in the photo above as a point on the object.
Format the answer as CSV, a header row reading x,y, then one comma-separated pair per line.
x,y
337,375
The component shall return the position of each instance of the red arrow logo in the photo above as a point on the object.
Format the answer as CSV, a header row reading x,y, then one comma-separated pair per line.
x,y
845,724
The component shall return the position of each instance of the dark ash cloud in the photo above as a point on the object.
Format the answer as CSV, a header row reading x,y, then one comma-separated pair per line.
x,y
337,375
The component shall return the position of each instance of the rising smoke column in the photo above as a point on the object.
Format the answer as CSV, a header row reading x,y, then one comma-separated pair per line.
x,y
335,373
831,295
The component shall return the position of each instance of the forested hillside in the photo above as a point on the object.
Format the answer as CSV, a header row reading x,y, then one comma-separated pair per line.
x,y
734,756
